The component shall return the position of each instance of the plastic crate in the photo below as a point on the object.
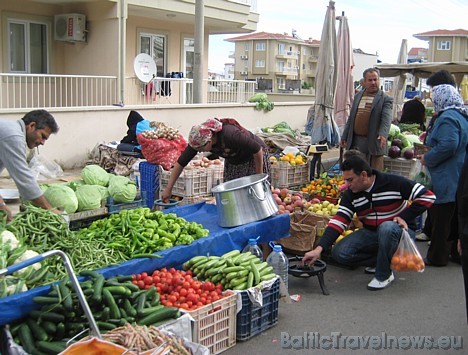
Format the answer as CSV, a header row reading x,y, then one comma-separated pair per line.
x,y
84,223
252,320
399,166
149,182
215,324
285,175
217,172
192,182
112,207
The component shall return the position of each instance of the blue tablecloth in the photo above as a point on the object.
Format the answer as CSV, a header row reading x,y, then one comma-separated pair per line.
x,y
220,241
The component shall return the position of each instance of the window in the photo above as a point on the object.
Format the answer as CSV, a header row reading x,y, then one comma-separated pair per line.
x,y
304,51
281,66
28,47
443,45
281,48
246,46
155,46
260,46
303,66
281,83
260,63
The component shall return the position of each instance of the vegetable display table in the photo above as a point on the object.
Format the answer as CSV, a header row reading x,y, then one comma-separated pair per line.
x,y
220,241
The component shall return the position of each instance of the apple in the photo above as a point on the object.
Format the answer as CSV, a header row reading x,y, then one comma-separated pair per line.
x,y
283,193
289,208
325,203
295,198
298,203
320,212
281,207
315,200
334,211
287,200
277,191
278,200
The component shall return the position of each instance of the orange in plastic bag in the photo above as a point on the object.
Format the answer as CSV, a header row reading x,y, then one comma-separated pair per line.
x,y
407,256
94,346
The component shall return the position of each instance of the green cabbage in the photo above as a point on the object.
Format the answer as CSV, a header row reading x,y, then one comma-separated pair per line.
x,y
122,189
75,184
89,197
95,175
412,138
394,131
62,197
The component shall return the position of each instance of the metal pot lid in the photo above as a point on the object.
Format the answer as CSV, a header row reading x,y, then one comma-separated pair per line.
x,y
240,183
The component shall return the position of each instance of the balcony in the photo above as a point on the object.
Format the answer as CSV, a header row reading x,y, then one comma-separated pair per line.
x,y
27,91
288,55
313,59
287,71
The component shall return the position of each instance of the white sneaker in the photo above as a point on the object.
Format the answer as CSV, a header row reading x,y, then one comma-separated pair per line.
x,y
422,237
369,270
375,284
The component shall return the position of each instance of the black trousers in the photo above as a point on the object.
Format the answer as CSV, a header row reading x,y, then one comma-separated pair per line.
x,y
441,220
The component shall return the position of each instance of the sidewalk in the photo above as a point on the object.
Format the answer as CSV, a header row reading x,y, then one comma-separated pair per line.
x,y
431,303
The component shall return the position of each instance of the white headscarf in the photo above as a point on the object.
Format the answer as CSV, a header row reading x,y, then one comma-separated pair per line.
x,y
447,97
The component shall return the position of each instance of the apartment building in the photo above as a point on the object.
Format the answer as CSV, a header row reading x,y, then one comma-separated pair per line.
x,y
280,62
446,45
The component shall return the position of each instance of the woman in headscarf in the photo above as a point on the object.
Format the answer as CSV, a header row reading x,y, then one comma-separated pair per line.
x,y
448,138
244,153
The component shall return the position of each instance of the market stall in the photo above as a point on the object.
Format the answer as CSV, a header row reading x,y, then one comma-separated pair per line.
x,y
219,241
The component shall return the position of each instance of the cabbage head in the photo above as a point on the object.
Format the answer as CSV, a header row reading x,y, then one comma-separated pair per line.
x,y
62,197
75,184
103,191
122,189
95,175
89,197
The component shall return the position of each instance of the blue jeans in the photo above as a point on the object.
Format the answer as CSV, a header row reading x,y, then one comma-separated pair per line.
x,y
371,248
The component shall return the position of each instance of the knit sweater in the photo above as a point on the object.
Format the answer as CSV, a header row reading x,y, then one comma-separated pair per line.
x,y
391,196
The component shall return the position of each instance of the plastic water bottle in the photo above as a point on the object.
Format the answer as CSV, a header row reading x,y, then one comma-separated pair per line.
x,y
253,247
280,263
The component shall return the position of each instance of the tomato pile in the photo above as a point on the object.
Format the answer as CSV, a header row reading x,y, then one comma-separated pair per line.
x,y
178,288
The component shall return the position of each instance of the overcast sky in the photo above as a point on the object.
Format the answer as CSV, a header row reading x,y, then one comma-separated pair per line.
x,y
375,26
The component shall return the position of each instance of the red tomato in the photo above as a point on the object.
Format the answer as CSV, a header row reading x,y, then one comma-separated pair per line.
x,y
163,269
186,284
196,285
184,306
141,284
189,272
199,304
156,279
182,299
148,280
191,297
190,303
169,304
172,270
143,275
183,292
172,298
215,298
135,282
209,286
213,294
203,299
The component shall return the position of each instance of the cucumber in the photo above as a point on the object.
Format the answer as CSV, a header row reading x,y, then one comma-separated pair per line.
x,y
98,289
110,301
50,316
51,347
266,271
26,338
118,290
236,282
230,254
37,331
255,272
250,279
268,277
141,302
240,287
166,312
66,296
46,300
131,312
147,311
49,327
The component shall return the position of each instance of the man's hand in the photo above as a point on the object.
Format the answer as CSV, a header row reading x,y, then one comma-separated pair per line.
x,y
310,257
401,222
343,143
9,215
382,141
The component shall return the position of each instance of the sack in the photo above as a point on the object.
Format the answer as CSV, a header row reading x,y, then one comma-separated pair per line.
x,y
419,173
407,256
302,232
162,151
44,169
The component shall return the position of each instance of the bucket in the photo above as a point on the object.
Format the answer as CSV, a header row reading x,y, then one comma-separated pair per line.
x,y
244,200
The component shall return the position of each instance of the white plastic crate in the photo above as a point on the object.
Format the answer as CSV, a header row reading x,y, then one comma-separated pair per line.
x,y
192,182
217,172
286,175
399,166
215,324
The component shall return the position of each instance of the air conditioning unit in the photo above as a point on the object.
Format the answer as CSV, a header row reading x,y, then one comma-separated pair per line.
x,y
244,57
243,73
70,27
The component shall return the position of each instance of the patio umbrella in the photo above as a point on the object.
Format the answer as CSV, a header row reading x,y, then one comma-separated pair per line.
x,y
320,124
399,84
344,84
464,89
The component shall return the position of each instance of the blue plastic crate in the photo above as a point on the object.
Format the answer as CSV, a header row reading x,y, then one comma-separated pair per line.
x,y
149,182
252,320
113,207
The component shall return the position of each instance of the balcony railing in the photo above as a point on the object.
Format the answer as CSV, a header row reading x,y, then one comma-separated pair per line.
x,y
41,90
19,91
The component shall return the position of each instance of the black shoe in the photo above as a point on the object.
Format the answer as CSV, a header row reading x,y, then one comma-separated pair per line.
x,y
456,260
430,263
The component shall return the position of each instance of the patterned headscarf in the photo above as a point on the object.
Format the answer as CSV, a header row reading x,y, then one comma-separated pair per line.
x,y
202,133
446,97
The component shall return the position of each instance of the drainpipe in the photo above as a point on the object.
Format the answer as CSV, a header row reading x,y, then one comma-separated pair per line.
x,y
199,47
122,41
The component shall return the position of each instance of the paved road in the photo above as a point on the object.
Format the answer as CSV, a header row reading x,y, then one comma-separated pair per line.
x,y
431,304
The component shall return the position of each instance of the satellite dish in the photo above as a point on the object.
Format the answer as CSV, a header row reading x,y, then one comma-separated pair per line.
x,y
144,67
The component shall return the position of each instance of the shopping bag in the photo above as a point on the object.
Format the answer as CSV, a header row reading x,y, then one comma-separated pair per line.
x,y
407,256
420,173
162,151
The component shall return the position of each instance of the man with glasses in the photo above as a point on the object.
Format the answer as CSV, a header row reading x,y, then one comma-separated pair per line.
x,y
381,202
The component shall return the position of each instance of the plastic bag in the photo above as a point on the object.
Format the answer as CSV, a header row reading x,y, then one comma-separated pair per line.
x,y
407,256
162,151
420,173
44,169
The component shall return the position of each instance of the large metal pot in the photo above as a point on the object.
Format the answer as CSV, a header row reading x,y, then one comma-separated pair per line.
x,y
244,200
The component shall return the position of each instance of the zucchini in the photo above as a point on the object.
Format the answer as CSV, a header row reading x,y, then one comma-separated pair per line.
x,y
164,313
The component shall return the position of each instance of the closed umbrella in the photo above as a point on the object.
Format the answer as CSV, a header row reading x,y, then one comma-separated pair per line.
x,y
320,124
399,84
464,89
344,84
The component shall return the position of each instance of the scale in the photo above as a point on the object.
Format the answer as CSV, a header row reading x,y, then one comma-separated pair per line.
x,y
316,148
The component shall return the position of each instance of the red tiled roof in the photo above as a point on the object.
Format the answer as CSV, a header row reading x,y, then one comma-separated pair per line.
x,y
457,33
417,51
264,35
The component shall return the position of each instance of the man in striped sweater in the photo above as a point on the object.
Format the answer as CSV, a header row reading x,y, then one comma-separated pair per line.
x,y
385,203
